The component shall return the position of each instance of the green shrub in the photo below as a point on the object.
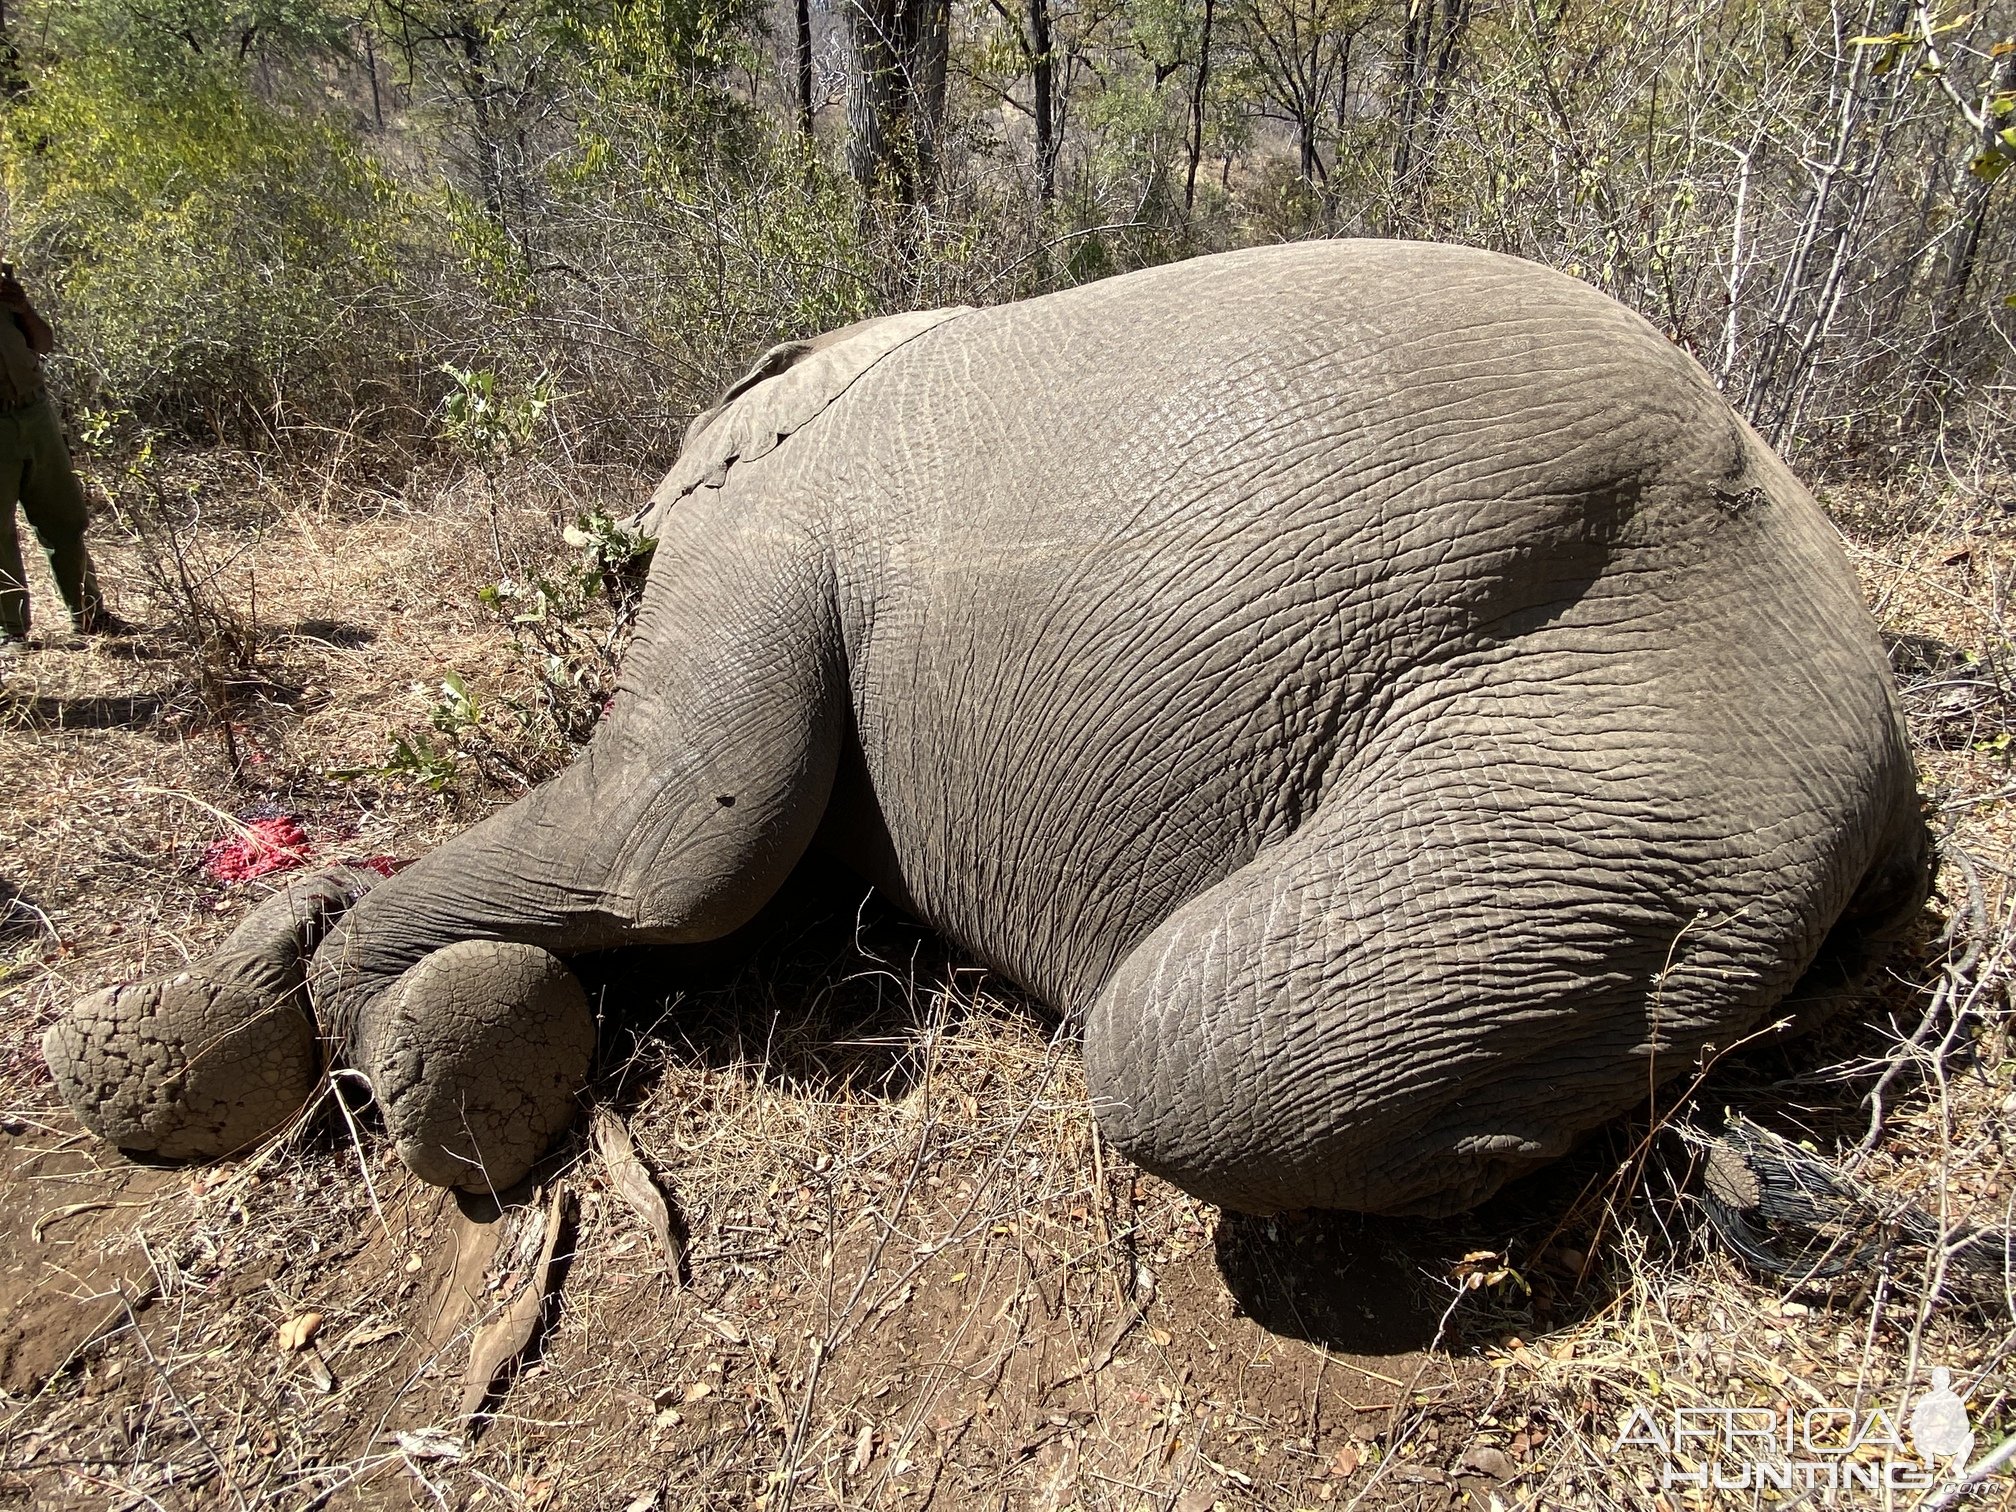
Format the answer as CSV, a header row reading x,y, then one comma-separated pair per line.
x,y
211,261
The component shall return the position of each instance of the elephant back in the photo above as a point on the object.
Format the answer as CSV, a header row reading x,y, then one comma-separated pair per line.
x,y
788,387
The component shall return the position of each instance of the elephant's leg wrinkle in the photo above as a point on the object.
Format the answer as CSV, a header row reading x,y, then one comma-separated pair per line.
x,y
1244,1049
678,822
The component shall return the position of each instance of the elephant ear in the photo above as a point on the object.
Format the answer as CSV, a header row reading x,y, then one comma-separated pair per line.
x,y
788,387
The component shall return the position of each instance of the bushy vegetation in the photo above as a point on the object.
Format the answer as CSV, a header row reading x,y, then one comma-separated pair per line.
x,y
267,219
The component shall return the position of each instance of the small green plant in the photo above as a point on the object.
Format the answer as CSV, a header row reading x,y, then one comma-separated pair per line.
x,y
414,760
456,714
98,430
457,710
613,554
486,418
569,626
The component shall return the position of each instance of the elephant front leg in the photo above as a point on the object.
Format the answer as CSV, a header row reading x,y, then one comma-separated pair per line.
x,y
448,986
476,1055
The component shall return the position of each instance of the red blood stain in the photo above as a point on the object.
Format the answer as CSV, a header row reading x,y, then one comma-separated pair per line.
x,y
273,844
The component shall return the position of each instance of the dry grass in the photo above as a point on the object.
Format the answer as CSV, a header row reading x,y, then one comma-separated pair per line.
x,y
912,1275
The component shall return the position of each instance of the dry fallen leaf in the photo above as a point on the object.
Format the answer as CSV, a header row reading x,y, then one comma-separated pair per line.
x,y
629,1179
1345,1461
428,1444
1487,1459
864,1450
728,1328
503,1339
297,1331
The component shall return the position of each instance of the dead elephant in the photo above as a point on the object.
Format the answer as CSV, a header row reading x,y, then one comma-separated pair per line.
x,y
1381,687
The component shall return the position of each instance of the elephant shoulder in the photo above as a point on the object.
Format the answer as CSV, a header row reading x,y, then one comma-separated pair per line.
x,y
788,386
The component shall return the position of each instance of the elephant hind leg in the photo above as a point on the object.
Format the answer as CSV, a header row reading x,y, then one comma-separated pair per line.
x,y
476,1054
1289,1039
1445,980
1889,897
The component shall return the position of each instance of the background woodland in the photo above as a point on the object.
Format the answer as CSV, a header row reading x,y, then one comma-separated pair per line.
x,y
505,223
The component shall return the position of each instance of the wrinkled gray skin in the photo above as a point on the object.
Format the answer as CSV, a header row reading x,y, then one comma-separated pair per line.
x,y
1381,687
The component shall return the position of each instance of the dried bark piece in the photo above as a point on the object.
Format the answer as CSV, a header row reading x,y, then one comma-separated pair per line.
x,y
631,1181
318,1369
500,1342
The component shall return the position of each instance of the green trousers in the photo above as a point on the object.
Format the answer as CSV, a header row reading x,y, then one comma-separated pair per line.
x,y
35,471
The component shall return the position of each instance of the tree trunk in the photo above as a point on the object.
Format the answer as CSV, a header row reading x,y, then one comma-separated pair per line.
x,y
1433,111
1043,105
12,85
896,62
804,61
1197,88
930,60
371,66
1428,63
1413,77
1783,372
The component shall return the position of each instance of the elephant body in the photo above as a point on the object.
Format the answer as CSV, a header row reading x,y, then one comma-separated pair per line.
x,y
1382,688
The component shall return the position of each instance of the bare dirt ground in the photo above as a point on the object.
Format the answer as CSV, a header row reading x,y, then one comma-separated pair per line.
x,y
909,1274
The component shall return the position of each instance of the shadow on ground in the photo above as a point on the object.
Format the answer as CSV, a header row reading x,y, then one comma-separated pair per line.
x,y
20,919
827,991
823,991
118,711
341,634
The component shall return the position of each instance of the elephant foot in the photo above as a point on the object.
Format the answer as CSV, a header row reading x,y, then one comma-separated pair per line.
x,y
190,1067
203,1062
476,1055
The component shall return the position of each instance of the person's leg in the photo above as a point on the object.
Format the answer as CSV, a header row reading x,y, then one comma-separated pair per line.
x,y
13,575
53,500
